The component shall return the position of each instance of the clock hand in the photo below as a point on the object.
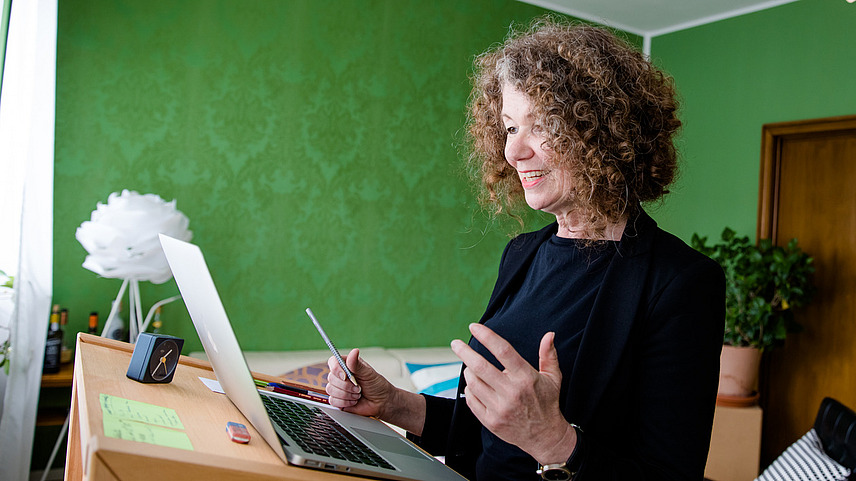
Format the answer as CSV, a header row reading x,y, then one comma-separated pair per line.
x,y
163,358
161,363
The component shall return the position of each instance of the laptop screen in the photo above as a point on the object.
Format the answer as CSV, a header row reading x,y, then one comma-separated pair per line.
x,y
215,331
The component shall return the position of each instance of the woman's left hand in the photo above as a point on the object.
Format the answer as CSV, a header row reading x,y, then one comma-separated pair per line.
x,y
518,404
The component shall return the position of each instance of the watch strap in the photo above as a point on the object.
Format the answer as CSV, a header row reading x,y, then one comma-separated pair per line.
x,y
568,470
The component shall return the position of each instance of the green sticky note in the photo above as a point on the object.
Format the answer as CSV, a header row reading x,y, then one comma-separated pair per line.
x,y
142,422
138,411
120,428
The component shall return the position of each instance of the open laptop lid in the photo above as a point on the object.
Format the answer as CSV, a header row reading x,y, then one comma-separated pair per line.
x,y
215,331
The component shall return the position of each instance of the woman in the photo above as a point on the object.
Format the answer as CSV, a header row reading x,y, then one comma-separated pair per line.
x,y
598,355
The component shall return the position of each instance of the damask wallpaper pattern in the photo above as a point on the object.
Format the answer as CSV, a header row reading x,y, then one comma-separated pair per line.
x,y
315,147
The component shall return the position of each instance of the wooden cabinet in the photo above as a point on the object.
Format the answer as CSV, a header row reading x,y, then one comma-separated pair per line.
x,y
52,413
735,445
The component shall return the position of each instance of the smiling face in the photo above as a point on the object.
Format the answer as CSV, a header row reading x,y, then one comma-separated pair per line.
x,y
546,185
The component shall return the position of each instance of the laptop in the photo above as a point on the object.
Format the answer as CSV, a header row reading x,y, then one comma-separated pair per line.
x,y
300,432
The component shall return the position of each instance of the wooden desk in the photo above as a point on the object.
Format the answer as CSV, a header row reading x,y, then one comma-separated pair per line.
x,y
100,367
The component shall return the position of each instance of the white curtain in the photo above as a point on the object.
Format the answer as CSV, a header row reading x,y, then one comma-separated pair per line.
x,y
27,139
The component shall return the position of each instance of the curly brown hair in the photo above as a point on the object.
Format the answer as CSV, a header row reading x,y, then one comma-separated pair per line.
x,y
608,114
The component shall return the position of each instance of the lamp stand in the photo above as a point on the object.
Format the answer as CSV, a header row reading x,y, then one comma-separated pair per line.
x,y
136,323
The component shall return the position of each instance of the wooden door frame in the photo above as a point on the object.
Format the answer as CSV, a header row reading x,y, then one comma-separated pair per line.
x,y
772,136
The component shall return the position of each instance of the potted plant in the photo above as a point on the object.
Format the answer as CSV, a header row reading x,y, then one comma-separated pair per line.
x,y
764,283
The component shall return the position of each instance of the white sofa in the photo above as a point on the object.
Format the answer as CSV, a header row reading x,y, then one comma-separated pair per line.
x,y
391,363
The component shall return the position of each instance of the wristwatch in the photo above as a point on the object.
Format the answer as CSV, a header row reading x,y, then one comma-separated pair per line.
x,y
558,471
555,472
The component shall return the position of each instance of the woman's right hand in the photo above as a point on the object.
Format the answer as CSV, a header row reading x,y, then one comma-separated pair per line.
x,y
375,396
372,395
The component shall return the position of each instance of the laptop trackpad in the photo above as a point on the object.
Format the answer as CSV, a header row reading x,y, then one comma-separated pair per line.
x,y
393,444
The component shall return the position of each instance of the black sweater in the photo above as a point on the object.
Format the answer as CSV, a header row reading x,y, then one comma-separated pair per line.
x,y
643,384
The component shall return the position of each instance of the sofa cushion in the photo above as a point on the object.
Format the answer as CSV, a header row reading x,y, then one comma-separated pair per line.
x,y
314,375
804,461
436,379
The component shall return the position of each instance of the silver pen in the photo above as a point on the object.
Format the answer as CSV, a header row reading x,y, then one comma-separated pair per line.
x,y
331,346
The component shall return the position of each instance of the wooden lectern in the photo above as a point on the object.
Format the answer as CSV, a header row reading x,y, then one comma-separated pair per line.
x,y
100,367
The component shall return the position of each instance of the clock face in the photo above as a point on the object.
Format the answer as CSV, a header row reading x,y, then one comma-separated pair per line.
x,y
163,360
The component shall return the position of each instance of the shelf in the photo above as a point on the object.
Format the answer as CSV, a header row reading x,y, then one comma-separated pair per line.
x,y
55,396
51,417
61,379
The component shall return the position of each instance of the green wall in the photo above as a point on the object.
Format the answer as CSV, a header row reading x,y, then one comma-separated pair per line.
x,y
315,147
792,62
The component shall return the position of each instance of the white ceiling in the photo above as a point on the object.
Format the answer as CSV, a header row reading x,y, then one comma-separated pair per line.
x,y
649,18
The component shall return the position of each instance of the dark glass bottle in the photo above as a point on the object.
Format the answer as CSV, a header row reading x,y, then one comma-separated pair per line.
x,y
53,345
65,353
93,323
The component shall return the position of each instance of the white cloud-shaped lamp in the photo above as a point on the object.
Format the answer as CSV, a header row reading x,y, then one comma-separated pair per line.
x,y
122,241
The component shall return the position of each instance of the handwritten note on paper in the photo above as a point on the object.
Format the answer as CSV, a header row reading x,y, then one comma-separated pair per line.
x,y
145,433
138,411
142,422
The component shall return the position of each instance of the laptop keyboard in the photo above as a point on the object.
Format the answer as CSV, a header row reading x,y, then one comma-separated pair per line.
x,y
316,432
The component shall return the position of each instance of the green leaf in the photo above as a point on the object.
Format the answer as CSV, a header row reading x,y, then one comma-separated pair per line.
x,y
757,276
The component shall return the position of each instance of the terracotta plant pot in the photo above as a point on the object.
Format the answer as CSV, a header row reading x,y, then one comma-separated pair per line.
x,y
738,372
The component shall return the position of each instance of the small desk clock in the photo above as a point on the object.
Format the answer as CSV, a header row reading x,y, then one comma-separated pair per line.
x,y
155,358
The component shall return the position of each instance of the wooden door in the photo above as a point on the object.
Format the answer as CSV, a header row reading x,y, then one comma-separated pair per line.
x,y
808,191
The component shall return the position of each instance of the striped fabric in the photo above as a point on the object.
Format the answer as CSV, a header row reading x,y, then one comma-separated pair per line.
x,y
804,461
